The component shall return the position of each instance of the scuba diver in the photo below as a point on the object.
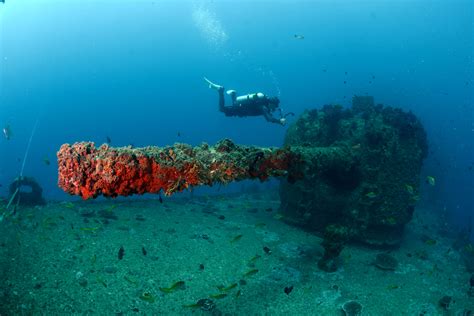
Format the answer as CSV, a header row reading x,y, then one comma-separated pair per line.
x,y
254,104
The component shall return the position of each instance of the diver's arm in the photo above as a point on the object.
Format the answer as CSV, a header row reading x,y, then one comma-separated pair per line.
x,y
269,117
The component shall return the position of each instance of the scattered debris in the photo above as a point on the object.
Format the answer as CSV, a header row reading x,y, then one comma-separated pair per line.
x,y
107,214
121,252
288,289
110,269
81,279
385,261
31,196
352,308
140,218
445,302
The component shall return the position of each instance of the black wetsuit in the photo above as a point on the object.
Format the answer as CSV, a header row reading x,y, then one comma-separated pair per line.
x,y
257,107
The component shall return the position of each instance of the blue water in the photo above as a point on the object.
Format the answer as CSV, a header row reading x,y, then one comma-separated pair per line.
x,y
132,70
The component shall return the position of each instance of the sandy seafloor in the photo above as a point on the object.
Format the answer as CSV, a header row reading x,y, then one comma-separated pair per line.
x,y
63,259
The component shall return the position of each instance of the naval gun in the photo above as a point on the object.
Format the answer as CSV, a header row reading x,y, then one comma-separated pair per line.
x,y
347,173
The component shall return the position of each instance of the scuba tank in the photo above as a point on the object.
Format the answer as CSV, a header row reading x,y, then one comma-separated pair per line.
x,y
249,98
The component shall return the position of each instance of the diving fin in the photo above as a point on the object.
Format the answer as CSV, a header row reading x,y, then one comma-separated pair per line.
x,y
213,85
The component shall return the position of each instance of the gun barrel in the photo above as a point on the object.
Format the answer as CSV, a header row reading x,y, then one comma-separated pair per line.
x,y
88,171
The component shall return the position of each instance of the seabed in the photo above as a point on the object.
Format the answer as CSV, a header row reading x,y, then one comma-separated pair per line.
x,y
235,250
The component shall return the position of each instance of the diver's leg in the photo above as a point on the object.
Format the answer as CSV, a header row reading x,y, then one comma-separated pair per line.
x,y
233,95
220,90
221,99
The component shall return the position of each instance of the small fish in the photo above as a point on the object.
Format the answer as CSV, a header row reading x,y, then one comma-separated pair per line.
x,y
391,220
250,272
298,36
89,229
469,248
371,195
179,134
203,303
228,288
356,146
144,252
7,132
430,242
121,252
68,205
218,296
101,281
430,180
254,258
236,238
160,198
46,161
180,285
147,297
288,289
195,305
108,140
267,250
260,225
409,189
130,279
93,259
278,216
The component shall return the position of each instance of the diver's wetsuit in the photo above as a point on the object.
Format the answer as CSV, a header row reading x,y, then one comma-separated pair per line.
x,y
255,105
